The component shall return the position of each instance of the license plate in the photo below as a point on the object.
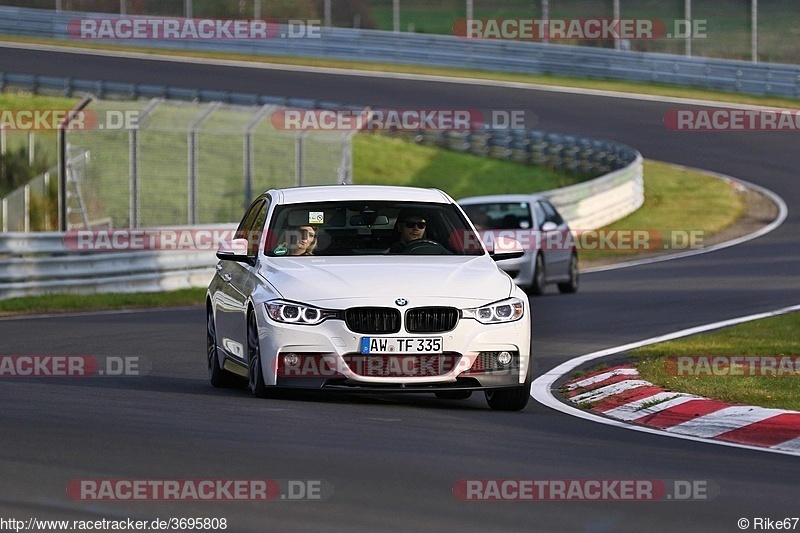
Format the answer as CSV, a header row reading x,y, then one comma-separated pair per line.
x,y
395,345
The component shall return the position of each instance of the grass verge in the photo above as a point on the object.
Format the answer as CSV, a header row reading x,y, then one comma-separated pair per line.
x,y
770,337
381,160
64,303
679,204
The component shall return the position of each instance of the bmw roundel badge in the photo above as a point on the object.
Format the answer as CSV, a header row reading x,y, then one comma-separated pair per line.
x,y
401,302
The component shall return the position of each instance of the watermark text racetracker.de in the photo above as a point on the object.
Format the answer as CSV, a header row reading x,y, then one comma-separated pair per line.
x,y
72,366
53,119
549,490
399,119
732,120
733,365
633,240
155,28
156,239
199,489
584,29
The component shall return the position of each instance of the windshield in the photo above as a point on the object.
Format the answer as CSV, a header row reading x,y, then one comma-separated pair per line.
x,y
500,215
370,228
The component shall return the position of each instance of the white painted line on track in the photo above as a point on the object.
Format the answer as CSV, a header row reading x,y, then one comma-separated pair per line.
x,y
542,387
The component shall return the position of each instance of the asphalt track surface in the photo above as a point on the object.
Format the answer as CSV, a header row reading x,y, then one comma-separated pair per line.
x,y
393,460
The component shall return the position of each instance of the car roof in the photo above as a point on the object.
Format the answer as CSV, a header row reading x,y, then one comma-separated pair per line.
x,y
318,193
501,198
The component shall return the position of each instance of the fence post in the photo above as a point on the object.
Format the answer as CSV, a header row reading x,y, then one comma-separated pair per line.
x,y
31,148
133,168
193,127
26,208
298,159
249,158
63,127
3,144
133,176
345,171
46,201
5,214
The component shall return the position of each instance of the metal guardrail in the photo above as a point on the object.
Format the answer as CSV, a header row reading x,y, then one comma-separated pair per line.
x,y
450,51
604,200
41,263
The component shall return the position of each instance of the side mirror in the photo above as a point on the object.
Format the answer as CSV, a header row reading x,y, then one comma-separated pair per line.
x,y
549,226
506,248
233,250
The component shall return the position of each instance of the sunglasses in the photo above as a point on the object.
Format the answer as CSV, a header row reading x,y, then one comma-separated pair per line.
x,y
409,224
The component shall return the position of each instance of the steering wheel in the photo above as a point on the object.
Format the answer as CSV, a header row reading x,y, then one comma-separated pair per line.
x,y
425,247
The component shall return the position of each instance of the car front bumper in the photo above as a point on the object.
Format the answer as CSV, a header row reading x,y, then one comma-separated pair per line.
x,y
327,356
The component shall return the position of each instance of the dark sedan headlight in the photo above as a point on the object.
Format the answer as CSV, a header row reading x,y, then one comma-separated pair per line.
x,y
507,310
296,313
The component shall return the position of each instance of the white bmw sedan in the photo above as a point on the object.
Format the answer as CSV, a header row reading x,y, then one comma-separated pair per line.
x,y
367,288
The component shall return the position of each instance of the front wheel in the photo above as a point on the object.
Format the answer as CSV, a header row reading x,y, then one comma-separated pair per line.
x,y
571,286
218,377
513,399
256,380
539,279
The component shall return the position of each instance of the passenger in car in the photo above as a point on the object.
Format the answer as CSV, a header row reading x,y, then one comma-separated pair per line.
x,y
300,240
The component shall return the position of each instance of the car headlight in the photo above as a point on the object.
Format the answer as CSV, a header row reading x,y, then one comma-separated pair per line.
x,y
295,313
504,311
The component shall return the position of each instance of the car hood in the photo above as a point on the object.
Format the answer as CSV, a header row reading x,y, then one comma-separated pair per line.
x,y
423,280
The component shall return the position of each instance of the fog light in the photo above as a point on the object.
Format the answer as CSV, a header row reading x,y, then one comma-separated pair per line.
x,y
291,359
504,358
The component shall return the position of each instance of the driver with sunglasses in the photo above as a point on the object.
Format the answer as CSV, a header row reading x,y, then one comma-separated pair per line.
x,y
412,228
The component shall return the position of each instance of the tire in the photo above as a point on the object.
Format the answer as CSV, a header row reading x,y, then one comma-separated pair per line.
x,y
511,399
256,376
514,399
453,394
219,377
539,277
571,286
